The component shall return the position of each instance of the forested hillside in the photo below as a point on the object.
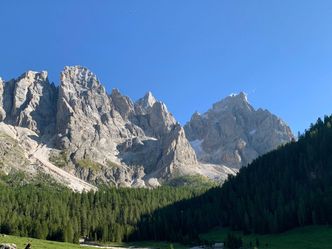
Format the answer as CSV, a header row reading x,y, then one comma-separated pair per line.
x,y
286,188
60,214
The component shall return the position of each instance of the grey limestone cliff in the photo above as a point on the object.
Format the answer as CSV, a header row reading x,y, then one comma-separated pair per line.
x,y
29,101
109,138
78,133
233,133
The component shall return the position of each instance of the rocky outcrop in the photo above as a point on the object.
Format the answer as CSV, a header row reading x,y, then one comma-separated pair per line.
x,y
122,104
233,133
29,101
98,131
22,151
12,156
86,123
144,104
89,128
178,156
153,117
8,246
158,143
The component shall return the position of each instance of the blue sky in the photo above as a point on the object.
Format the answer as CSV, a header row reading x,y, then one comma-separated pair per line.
x,y
189,53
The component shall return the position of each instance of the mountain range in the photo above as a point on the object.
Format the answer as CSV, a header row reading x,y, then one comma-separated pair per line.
x,y
81,136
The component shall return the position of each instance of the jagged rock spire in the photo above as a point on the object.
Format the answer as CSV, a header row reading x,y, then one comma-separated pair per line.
x,y
147,101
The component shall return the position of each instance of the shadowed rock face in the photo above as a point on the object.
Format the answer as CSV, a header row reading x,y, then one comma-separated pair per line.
x,y
109,139
233,133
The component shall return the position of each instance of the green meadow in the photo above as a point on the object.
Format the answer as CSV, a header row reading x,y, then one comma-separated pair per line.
x,y
46,244
311,237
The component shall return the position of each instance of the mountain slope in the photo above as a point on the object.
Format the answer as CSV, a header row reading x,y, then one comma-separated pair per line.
x,y
233,133
21,153
286,188
112,130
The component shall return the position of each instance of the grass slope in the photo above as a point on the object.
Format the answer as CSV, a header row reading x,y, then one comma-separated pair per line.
x,y
46,244
311,237
193,181
36,243
149,244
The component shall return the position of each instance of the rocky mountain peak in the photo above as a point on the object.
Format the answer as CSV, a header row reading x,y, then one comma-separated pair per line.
x,y
196,116
116,92
147,101
233,133
233,102
33,75
28,101
122,104
241,95
80,78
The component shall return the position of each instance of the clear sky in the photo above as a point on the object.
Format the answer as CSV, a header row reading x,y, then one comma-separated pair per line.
x,y
189,53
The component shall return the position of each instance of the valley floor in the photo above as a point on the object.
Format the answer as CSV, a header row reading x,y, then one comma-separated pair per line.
x,y
46,244
311,237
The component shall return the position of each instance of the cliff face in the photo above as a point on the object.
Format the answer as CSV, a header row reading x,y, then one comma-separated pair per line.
x,y
233,133
112,130
80,132
97,137
29,101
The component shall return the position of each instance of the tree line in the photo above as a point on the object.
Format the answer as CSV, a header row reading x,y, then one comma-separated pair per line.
x,y
59,214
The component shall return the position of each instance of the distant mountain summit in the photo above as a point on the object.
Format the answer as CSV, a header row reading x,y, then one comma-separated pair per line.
x,y
82,136
233,133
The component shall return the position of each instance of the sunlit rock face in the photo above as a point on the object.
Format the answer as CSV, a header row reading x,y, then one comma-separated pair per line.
x,y
81,135
233,133
29,101
99,137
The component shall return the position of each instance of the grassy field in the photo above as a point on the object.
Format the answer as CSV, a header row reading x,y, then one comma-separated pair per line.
x,y
36,243
45,244
312,237
150,244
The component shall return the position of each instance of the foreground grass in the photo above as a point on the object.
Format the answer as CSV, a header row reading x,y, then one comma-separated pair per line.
x,y
149,244
311,237
46,244
36,243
